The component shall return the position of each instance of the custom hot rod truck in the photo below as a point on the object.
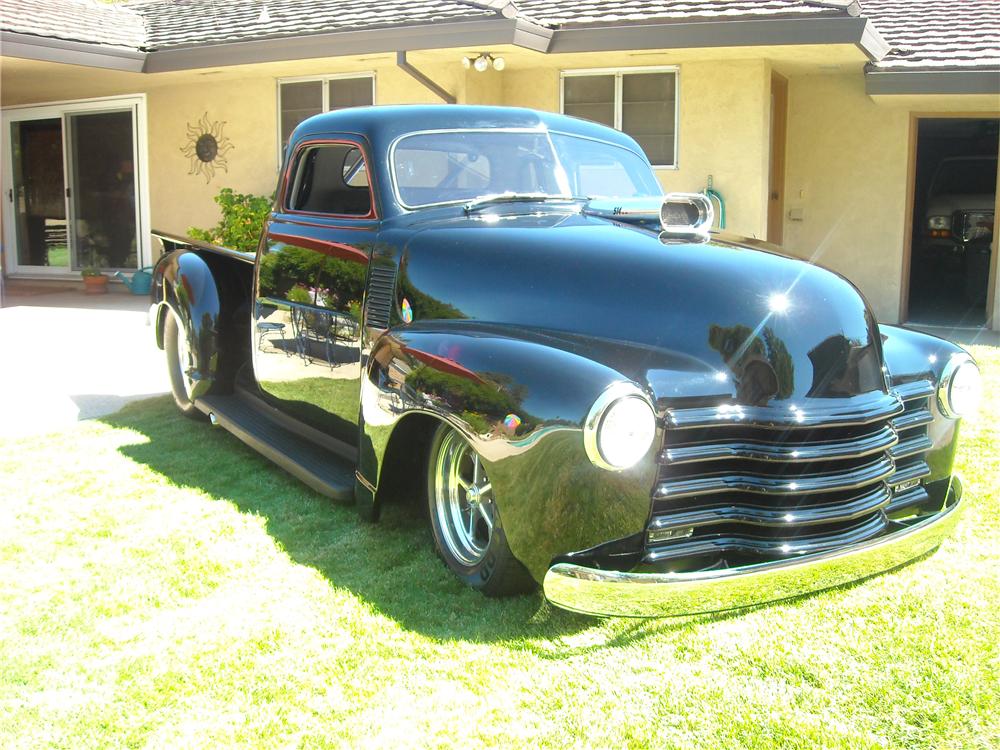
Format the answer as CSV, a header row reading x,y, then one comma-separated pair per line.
x,y
498,309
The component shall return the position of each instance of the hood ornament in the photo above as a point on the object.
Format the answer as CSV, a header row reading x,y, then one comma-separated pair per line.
x,y
680,216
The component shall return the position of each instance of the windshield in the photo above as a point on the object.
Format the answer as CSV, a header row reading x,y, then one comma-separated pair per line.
x,y
966,177
461,166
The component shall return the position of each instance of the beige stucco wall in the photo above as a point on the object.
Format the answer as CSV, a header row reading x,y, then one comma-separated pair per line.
x,y
846,173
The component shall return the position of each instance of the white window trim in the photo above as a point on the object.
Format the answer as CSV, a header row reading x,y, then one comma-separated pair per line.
x,y
140,153
324,79
618,73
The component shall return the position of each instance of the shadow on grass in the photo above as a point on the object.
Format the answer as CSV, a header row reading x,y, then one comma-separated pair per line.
x,y
390,565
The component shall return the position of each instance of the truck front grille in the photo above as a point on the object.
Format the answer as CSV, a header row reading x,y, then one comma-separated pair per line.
x,y
742,485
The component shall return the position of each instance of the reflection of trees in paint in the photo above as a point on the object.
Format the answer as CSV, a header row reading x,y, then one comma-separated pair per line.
x,y
482,403
307,277
424,306
843,367
760,363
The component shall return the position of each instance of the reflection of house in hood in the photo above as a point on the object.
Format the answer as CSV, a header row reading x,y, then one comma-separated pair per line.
x,y
842,368
761,366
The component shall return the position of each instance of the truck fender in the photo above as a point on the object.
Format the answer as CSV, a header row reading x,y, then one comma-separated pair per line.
x,y
522,405
183,285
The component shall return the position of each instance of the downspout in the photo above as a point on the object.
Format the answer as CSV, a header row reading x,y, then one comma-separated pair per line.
x,y
427,82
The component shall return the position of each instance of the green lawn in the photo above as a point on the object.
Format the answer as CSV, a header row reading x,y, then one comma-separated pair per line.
x,y
162,586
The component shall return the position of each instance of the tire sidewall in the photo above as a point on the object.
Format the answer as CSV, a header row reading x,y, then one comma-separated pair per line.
x,y
171,330
480,575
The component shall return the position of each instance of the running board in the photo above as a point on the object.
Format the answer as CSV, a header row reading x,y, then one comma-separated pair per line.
x,y
326,472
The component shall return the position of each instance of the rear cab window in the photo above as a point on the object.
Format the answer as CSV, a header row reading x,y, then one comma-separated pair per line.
x,y
330,179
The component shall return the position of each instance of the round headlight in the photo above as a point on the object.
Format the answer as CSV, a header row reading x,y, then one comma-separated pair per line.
x,y
960,387
620,428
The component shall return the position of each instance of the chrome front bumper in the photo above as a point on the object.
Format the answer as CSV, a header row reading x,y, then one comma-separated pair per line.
x,y
608,592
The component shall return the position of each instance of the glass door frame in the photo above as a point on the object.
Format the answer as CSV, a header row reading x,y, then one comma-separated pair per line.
x,y
63,110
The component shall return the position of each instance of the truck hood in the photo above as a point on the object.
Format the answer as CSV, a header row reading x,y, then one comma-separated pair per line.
x,y
690,320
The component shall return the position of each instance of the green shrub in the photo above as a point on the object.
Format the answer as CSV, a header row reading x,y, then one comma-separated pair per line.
x,y
243,216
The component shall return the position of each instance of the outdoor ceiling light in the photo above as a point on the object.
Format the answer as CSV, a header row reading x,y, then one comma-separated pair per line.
x,y
483,61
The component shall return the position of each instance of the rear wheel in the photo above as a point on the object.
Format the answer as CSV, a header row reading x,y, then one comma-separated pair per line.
x,y
179,363
467,530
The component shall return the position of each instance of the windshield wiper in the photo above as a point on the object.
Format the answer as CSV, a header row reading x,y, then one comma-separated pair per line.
x,y
485,200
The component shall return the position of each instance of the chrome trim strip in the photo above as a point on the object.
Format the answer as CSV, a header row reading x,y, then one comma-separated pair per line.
x,y
857,410
862,476
784,452
805,515
915,418
912,496
786,548
911,447
916,470
614,593
913,390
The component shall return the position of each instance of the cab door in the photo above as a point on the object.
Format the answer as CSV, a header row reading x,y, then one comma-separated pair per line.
x,y
310,287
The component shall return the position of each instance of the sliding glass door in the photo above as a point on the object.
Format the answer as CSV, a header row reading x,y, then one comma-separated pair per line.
x,y
38,194
73,189
102,190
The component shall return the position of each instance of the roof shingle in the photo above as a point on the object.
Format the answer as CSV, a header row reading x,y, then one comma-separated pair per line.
x,y
86,21
566,12
937,34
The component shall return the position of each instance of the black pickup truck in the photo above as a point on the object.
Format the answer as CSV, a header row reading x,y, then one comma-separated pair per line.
x,y
498,311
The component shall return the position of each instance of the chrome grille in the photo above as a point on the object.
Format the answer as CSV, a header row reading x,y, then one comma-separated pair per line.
x,y
737,485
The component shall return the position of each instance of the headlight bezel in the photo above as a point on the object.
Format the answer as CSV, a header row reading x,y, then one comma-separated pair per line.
x,y
594,423
946,401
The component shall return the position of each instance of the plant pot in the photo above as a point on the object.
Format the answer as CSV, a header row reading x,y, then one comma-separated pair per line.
x,y
95,284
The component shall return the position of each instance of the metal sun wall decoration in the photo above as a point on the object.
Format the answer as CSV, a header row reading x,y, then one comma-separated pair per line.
x,y
207,147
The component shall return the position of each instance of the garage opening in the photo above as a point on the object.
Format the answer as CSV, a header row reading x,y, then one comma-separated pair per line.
x,y
954,202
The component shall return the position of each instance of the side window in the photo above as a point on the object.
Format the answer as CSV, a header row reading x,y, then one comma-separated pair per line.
x,y
330,179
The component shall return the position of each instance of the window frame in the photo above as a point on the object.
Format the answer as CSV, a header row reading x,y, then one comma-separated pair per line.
x,y
325,81
618,73
287,182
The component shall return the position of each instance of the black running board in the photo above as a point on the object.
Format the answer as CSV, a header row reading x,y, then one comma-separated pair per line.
x,y
323,470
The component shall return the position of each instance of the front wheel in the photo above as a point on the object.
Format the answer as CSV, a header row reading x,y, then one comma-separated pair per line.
x,y
179,363
464,519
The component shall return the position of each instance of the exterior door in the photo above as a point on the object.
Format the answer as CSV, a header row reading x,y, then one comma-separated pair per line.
x,y
73,188
310,289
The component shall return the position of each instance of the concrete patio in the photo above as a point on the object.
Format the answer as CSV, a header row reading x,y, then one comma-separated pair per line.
x,y
68,356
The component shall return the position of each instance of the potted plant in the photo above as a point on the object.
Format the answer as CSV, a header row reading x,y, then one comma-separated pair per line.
x,y
94,282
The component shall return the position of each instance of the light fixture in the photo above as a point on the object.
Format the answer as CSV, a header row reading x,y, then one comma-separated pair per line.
x,y
483,61
620,428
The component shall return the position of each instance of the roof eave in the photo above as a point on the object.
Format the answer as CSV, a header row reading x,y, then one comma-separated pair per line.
x,y
903,82
456,34
715,33
47,49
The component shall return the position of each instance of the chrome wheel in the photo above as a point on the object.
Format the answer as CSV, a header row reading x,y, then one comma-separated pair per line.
x,y
462,500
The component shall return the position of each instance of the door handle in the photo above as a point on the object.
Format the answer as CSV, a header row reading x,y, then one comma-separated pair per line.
x,y
67,193
10,194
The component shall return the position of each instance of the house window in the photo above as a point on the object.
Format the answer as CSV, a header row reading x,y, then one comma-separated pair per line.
x,y
642,103
301,98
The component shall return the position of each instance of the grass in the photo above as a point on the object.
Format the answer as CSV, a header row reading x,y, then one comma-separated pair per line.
x,y
163,586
